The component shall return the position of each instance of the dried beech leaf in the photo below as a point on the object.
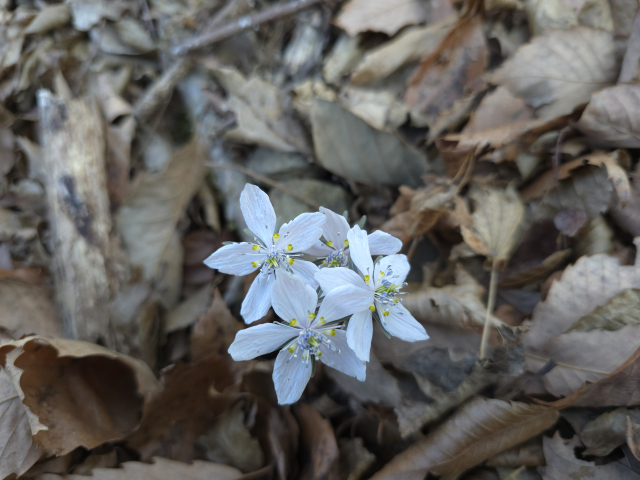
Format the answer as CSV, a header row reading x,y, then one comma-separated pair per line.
x,y
562,463
582,356
612,118
560,70
620,311
319,441
529,454
496,222
160,469
459,306
48,18
83,394
480,429
589,283
386,16
26,309
15,431
497,109
604,434
549,14
348,147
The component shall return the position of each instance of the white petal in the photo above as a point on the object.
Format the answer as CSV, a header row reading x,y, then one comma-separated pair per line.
x,y
306,271
359,334
301,232
330,278
381,243
290,376
258,213
319,249
292,298
335,229
359,250
234,259
258,300
344,301
255,341
345,361
399,265
400,323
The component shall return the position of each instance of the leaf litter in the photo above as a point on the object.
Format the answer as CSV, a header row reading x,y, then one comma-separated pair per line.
x,y
497,140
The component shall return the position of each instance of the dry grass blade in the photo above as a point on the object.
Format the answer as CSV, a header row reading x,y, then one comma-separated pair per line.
x,y
479,430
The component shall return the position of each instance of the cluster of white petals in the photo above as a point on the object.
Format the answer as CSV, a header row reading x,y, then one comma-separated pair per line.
x,y
332,324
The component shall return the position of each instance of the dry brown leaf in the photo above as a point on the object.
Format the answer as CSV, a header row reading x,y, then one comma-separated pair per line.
x,y
319,441
631,23
81,393
386,16
355,459
560,70
582,356
633,437
529,454
260,113
562,463
611,118
26,309
497,109
48,18
160,469
589,283
605,433
348,147
458,306
408,46
620,311
15,431
480,429
538,272
549,14
190,310
497,218
379,108
444,83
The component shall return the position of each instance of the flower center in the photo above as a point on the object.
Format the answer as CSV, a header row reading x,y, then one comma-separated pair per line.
x,y
387,292
271,258
337,258
309,342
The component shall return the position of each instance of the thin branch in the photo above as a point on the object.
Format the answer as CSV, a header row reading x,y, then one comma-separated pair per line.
x,y
241,24
267,180
491,302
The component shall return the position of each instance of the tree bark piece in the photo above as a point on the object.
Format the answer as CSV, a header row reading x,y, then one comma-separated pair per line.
x,y
85,254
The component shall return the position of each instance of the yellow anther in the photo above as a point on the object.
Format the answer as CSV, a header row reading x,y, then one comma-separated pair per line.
x,y
254,264
395,300
289,247
346,243
312,316
322,321
291,349
331,333
329,243
386,314
293,322
276,236
319,354
255,247
366,279
290,261
372,307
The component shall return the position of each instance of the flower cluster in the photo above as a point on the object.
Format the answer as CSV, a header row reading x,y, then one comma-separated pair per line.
x,y
327,306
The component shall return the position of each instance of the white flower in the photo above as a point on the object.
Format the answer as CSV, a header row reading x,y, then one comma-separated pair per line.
x,y
335,249
272,252
378,286
306,337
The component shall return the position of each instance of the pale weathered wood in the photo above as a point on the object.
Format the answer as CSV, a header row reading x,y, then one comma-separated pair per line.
x,y
86,262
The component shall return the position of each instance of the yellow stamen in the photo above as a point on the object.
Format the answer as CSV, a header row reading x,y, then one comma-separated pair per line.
x,y
293,322
290,261
346,243
254,264
329,243
289,247
312,316
322,321
255,247
331,333
313,342
291,349
319,354
395,300
366,279
386,314
276,236
372,307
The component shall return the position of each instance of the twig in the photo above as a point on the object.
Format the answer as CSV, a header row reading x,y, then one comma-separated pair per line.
x,y
241,24
268,181
491,302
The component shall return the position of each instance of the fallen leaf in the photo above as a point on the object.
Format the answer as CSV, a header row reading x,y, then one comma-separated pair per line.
x,y
379,108
260,113
27,309
355,459
409,46
48,18
589,283
348,147
633,437
550,14
630,22
480,429
80,393
319,441
619,312
557,72
496,222
562,463
458,76
605,433
582,356
160,469
386,16
190,310
343,57
15,431
610,117
529,454
497,109
570,221
458,306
